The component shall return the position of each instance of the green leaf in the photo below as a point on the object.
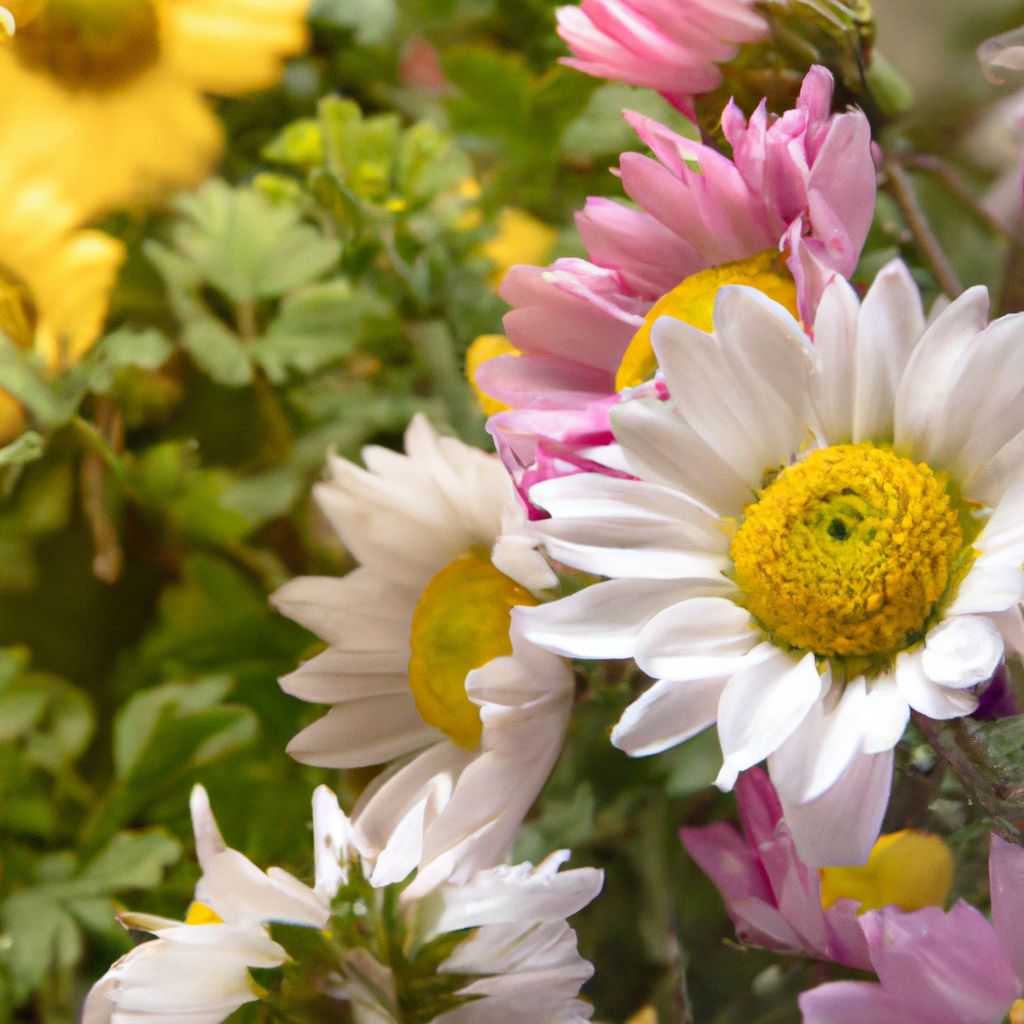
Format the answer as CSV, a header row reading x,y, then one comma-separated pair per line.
x,y
316,326
131,860
41,937
494,91
218,352
49,404
247,246
147,350
372,21
27,448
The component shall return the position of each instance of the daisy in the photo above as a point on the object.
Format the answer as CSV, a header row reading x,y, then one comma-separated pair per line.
x,y
197,970
671,46
421,669
953,967
116,87
820,539
791,208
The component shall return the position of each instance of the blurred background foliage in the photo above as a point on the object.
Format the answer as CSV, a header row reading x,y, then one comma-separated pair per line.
x,y
318,294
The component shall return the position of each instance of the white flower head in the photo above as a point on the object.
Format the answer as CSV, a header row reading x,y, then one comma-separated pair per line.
x,y
422,669
197,970
819,539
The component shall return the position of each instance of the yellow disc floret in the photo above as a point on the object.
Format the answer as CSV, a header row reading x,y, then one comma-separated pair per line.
x,y
848,552
461,622
200,913
693,302
93,44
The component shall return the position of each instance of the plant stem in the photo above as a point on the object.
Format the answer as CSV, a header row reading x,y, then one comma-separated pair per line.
x,y
901,188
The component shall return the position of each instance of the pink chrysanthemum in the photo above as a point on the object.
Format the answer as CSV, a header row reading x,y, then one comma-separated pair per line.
x,y
802,183
671,46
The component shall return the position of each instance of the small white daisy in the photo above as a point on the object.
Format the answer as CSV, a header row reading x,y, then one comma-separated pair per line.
x,y
197,970
820,539
421,668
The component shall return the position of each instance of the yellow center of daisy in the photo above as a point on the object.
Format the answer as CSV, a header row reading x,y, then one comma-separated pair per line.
x,y
91,44
848,552
18,313
907,869
200,913
461,622
693,302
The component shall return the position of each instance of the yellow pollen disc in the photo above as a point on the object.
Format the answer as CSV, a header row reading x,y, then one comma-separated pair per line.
x,y
693,302
200,913
461,622
1017,1012
848,552
907,869
483,350
91,44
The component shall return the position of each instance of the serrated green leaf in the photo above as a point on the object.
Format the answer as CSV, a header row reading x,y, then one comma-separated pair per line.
x,y
372,21
131,860
248,247
147,350
49,403
218,352
41,935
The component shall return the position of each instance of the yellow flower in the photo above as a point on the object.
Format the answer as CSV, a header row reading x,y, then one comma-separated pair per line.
x,y
18,12
55,285
521,238
116,88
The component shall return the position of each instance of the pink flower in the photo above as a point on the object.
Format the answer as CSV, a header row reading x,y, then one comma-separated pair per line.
x,y
772,896
936,967
672,46
803,183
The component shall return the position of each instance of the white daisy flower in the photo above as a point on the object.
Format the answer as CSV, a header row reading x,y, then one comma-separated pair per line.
x,y
820,539
421,668
196,971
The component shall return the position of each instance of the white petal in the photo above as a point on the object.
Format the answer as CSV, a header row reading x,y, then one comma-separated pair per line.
x,y
962,651
926,398
842,825
835,343
939,702
604,620
667,714
704,637
661,447
745,392
823,745
761,705
988,588
340,674
890,324
362,732
1011,625
209,841
886,713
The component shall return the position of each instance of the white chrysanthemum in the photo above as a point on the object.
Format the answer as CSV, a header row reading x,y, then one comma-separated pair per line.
x,y
421,661
820,539
196,971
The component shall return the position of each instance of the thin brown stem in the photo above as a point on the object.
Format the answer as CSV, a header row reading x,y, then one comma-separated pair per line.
x,y
901,188
108,559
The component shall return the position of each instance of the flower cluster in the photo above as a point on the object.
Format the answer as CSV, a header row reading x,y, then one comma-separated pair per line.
x,y
745,483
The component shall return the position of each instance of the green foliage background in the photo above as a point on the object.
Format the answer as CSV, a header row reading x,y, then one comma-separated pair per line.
x,y
317,295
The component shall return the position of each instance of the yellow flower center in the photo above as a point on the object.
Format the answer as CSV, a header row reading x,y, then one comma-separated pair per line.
x,y
693,302
849,551
91,44
907,869
461,622
200,913
18,313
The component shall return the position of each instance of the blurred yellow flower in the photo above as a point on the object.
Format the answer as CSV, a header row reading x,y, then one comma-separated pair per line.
x,y
111,91
521,238
482,350
18,12
910,869
55,285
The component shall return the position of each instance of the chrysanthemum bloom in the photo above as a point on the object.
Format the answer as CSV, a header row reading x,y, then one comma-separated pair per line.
x,y
820,539
671,46
116,88
952,967
505,928
421,661
803,183
778,902
197,970
55,284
